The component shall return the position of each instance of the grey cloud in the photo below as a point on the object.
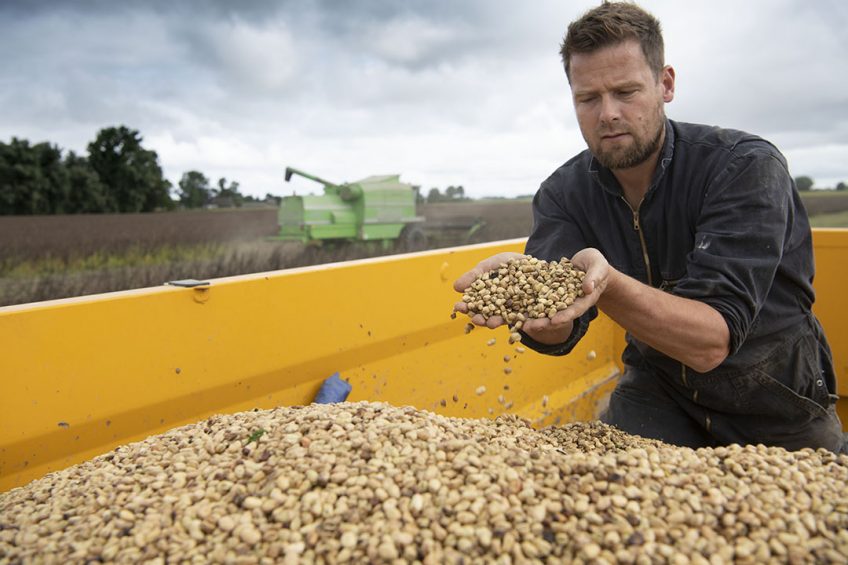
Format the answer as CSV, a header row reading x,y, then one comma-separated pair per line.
x,y
442,88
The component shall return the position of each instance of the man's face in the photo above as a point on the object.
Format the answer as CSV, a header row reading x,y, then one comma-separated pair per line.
x,y
619,103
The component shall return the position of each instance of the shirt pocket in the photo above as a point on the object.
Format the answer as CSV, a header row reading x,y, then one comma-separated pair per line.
x,y
787,385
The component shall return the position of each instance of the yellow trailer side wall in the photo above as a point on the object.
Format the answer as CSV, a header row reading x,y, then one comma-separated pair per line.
x,y
831,306
82,376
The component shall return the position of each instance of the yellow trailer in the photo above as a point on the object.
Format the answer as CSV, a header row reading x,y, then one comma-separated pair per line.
x,y
82,376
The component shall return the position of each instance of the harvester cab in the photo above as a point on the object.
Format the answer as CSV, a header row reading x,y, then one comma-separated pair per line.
x,y
376,208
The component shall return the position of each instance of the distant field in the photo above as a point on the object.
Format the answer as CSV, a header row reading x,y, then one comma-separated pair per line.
x,y
825,202
32,237
45,257
505,219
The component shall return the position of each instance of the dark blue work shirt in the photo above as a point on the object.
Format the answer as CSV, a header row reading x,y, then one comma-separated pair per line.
x,y
721,223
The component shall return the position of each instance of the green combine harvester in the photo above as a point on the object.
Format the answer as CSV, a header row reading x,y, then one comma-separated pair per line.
x,y
378,208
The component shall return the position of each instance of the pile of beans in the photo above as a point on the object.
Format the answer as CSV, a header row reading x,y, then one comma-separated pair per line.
x,y
369,482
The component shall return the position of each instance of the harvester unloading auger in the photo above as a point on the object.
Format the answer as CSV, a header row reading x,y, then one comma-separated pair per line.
x,y
378,208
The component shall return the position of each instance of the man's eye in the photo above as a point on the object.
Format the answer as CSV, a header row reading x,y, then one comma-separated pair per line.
x,y
626,93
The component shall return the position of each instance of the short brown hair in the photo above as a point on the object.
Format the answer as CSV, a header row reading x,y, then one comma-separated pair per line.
x,y
610,24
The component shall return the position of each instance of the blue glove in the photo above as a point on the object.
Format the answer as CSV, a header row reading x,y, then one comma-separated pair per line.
x,y
333,390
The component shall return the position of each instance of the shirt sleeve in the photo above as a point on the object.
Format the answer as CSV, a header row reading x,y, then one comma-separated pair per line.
x,y
555,235
739,241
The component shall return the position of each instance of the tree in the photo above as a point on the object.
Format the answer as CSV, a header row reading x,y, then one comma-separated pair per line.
x,y
434,195
455,193
194,190
33,179
804,183
841,186
86,194
227,196
131,174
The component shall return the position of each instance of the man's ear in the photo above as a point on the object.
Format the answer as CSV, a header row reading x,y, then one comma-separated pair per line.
x,y
667,82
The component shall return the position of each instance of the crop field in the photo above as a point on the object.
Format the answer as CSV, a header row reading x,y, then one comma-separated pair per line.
x,y
47,257
825,201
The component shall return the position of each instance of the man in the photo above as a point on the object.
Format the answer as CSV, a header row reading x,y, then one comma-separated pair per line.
x,y
695,240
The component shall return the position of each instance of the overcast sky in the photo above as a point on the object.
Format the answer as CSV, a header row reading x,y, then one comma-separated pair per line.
x,y
444,92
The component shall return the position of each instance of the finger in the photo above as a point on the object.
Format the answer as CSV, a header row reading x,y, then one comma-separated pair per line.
x,y
535,324
483,266
564,317
594,275
465,280
461,307
590,279
561,319
588,284
494,322
478,320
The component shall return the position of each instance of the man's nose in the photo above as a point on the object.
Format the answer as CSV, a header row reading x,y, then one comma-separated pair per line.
x,y
610,110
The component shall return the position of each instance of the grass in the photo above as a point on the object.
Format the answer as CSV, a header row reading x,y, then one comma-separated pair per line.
x,y
825,194
134,256
51,278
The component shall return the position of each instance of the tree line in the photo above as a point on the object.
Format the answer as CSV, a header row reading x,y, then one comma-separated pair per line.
x,y
119,175
805,183
451,194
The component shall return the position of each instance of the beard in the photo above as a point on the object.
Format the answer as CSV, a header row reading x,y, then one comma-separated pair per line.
x,y
635,154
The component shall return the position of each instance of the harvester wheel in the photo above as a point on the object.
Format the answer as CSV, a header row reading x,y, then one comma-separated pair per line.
x,y
412,238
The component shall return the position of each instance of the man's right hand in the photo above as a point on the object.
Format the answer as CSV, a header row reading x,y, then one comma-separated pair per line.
x,y
463,282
